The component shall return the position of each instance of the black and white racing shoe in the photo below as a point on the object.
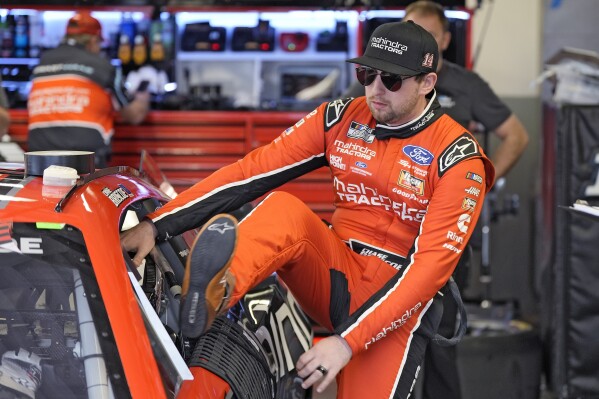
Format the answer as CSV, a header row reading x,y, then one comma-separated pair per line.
x,y
207,283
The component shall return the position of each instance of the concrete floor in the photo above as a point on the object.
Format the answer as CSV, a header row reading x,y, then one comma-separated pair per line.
x,y
332,391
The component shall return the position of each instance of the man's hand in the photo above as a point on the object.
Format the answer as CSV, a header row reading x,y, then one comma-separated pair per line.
x,y
139,239
323,362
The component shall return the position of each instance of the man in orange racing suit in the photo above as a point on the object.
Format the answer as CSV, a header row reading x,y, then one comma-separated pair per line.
x,y
409,183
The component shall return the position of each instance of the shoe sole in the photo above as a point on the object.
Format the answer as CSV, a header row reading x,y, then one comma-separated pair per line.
x,y
211,253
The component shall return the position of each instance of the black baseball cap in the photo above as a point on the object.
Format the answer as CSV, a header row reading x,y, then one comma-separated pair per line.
x,y
403,48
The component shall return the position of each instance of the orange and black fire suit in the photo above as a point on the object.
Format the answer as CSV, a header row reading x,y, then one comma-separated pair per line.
x,y
72,101
407,199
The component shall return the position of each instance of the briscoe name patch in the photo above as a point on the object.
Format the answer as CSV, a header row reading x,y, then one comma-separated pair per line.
x,y
463,147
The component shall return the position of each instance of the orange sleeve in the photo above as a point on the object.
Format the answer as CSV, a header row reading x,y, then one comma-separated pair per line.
x,y
298,150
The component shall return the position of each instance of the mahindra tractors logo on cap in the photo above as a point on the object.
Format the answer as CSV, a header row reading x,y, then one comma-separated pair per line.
x,y
388,45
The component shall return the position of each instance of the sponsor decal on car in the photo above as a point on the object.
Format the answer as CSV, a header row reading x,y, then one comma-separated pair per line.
x,y
5,235
25,245
118,195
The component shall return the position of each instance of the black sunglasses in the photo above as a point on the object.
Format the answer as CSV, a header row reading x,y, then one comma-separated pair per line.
x,y
391,81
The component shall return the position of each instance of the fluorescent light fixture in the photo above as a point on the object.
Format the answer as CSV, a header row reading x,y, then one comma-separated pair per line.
x,y
452,14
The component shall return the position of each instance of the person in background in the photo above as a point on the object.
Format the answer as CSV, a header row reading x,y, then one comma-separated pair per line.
x,y
75,93
4,115
408,182
467,98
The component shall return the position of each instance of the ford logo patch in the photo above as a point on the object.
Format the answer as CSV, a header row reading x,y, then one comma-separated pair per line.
x,y
418,154
361,165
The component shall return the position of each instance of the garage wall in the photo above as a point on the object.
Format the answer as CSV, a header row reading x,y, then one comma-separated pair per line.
x,y
507,46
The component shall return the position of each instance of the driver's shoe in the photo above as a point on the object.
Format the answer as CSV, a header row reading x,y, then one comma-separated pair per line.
x,y
207,284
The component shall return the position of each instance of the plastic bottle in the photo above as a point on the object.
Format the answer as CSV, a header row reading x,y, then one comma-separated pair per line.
x,y
2,29
124,51
168,35
156,48
36,32
8,37
140,50
21,37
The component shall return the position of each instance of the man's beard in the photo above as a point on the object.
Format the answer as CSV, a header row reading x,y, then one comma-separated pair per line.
x,y
395,114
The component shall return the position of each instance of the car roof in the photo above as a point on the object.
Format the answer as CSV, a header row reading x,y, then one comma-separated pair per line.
x,y
104,193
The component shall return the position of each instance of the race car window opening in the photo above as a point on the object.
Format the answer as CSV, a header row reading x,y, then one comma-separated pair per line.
x,y
171,365
174,251
158,296
53,323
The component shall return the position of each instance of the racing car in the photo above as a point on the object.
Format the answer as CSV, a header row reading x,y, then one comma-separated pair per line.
x,y
79,320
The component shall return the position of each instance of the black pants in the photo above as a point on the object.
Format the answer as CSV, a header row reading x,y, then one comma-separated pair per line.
x,y
441,379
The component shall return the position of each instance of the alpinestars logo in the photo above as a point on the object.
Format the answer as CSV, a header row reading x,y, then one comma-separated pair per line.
x,y
360,131
463,147
334,112
221,227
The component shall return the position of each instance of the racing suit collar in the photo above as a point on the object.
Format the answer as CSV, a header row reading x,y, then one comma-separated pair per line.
x,y
431,113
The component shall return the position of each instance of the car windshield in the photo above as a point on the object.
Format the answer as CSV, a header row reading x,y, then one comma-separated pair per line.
x,y
55,337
